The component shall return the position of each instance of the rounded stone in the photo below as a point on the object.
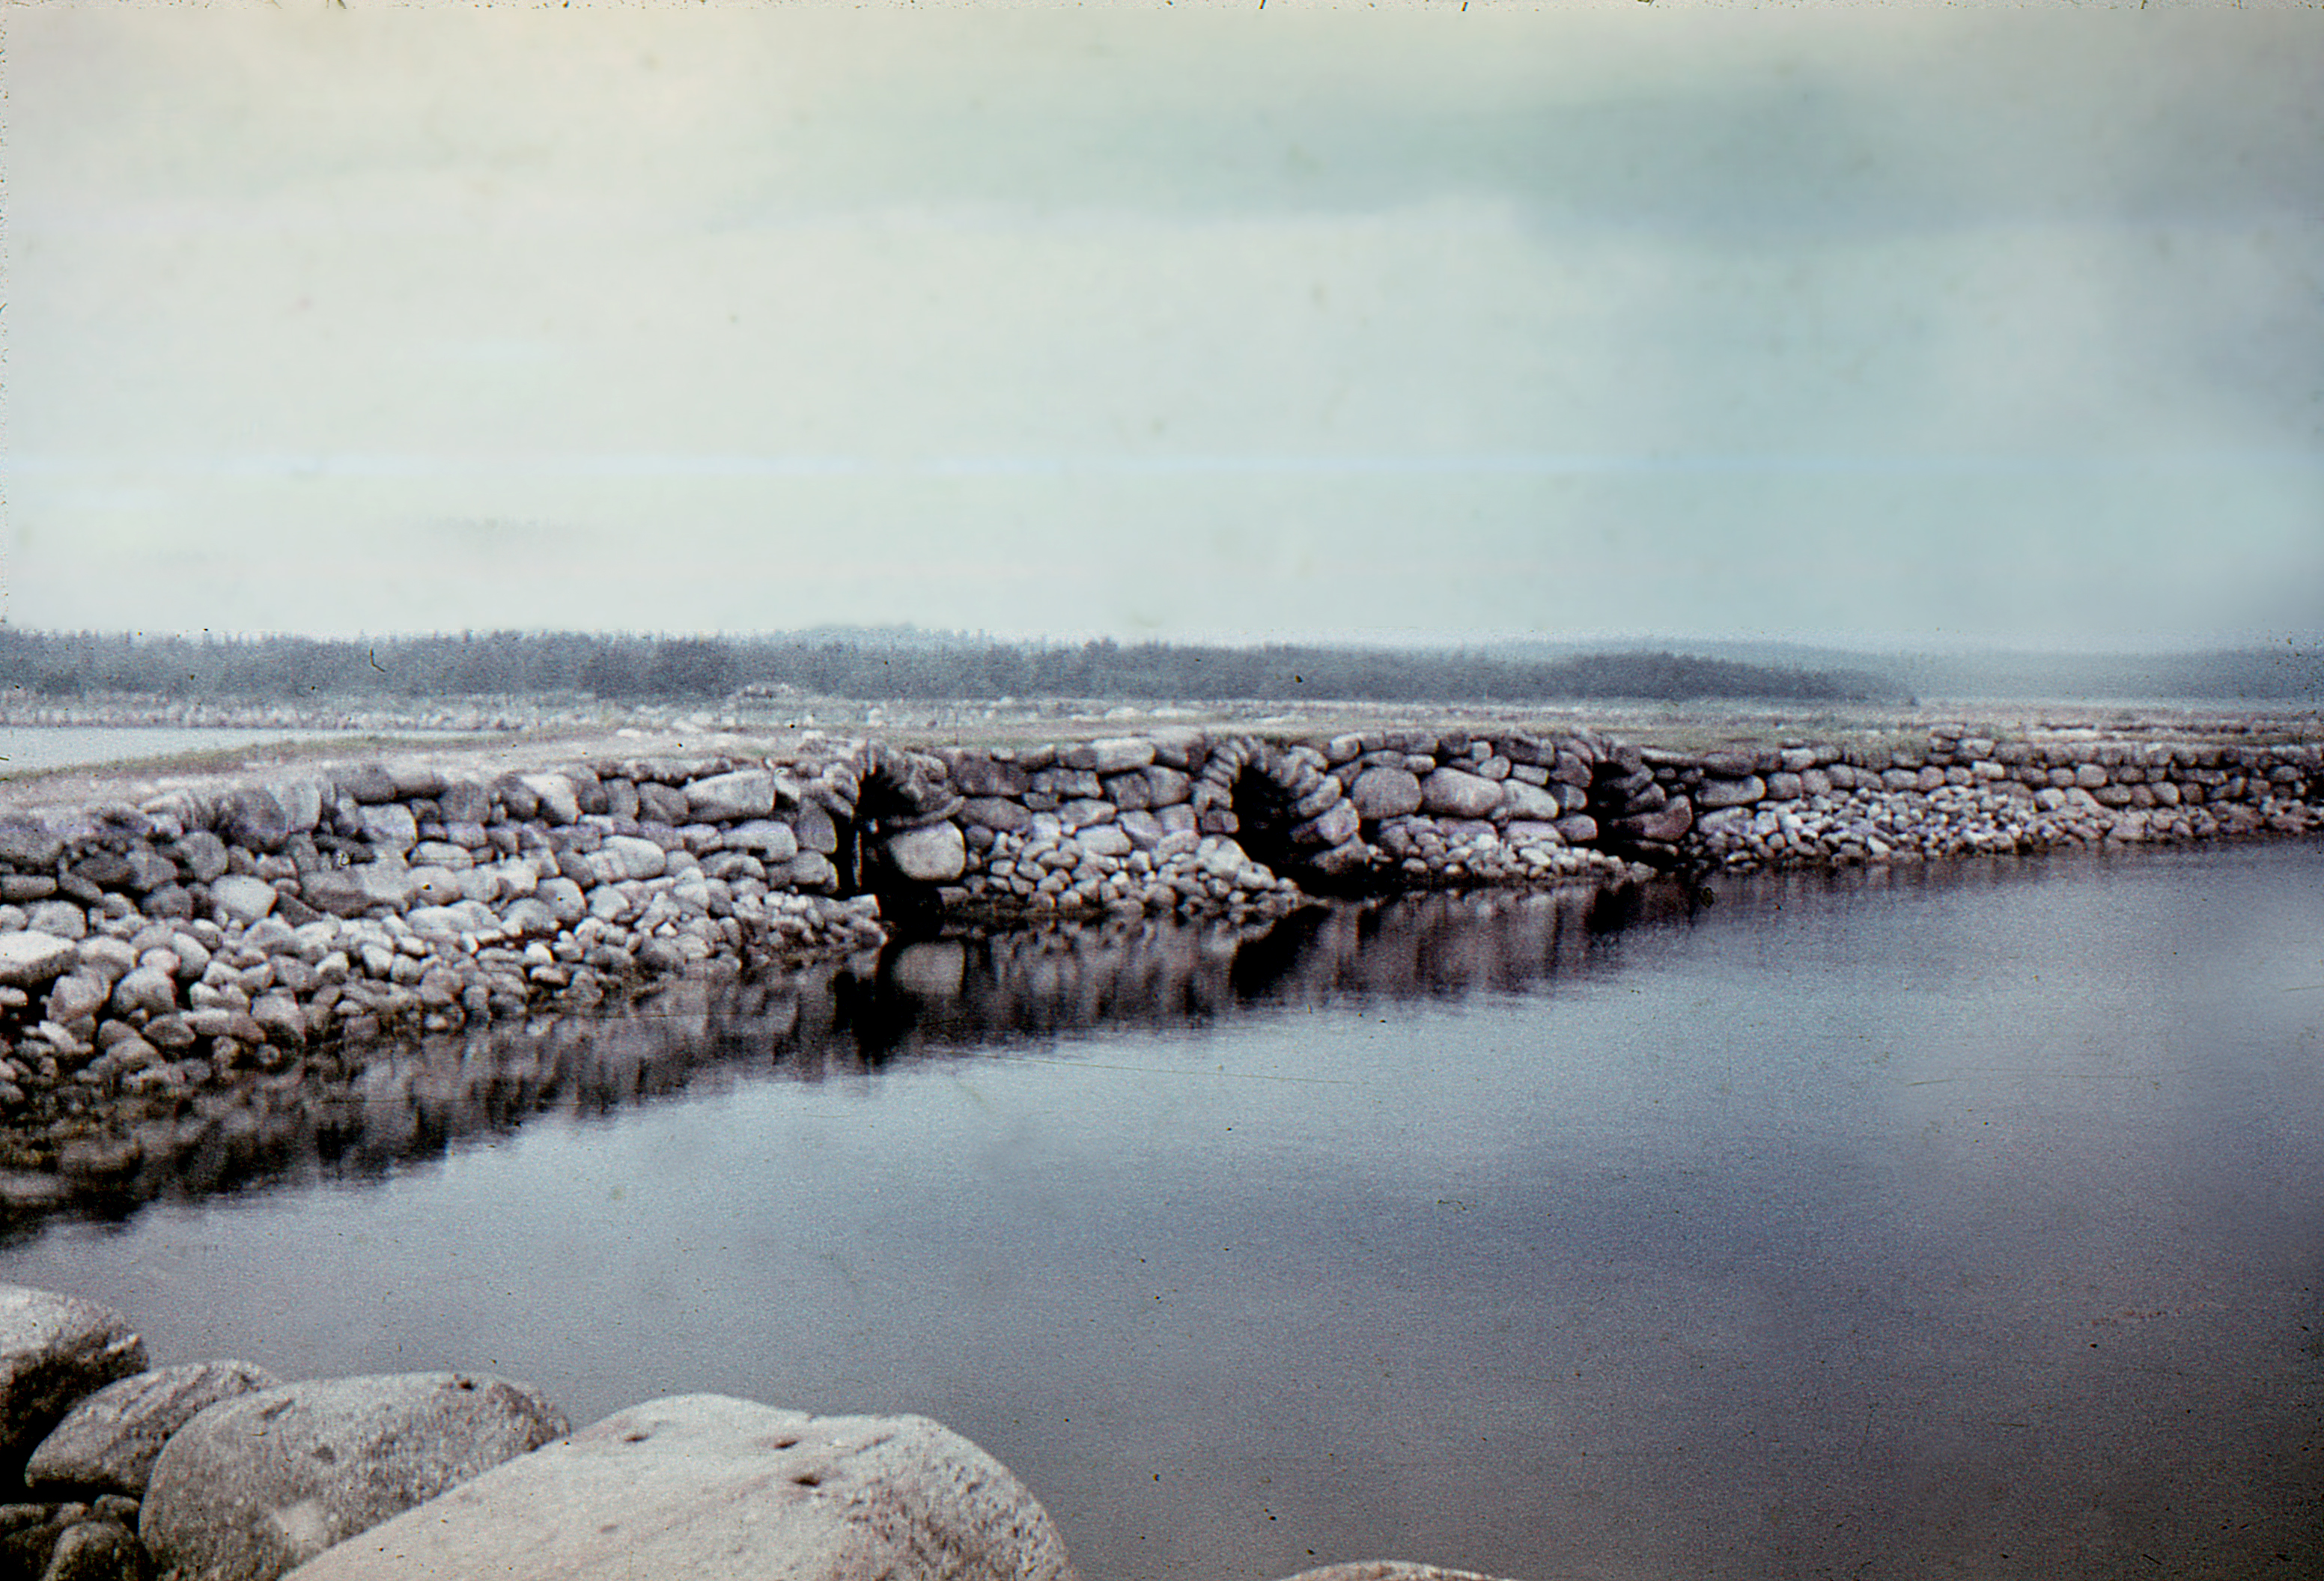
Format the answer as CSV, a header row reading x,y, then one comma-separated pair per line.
x,y
937,854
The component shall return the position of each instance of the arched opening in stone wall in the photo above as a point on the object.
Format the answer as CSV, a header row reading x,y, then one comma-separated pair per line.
x,y
1264,819
896,792
883,806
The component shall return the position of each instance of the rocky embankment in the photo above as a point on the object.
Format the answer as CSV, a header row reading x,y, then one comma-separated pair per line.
x,y
218,1471
213,936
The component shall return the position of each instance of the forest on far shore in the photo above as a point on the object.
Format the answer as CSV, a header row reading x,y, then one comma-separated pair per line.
x,y
868,667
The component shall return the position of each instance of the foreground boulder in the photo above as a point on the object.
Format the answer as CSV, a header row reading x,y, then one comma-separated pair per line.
x,y
110,1441
55,1349
255,1484
707,1485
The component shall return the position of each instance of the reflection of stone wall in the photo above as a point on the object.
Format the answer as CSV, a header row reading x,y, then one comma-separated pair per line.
x,y
363,1114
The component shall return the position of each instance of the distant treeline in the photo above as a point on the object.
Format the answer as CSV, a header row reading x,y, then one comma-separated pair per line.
x,y
874,667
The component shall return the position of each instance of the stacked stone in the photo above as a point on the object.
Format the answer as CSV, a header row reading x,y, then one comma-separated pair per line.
x,y
158,949
1421,809
1966,794
1133,824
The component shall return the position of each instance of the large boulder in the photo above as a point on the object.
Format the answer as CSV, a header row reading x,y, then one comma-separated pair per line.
x,y
1520,800
729,798
254,817
361,890
389,826
29,845
110,1441
631,857
54,1350
258,1483
771,840
710,1486
1714,793
936,854
1385,792
29,959
241,898
555,795
1450,794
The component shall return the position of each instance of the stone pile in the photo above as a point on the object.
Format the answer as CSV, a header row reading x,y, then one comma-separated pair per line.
x,y
1962,795
216,1471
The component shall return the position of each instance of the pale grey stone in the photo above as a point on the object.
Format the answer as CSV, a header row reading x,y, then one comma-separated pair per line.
x,y
240,898
817,831
389,824
1579,828
358,891
29,844
703,1485
469,801
1166,786
636,857
107,957
54,1350
204,855
771,840
811,869
260,1483
154,993
564,899
1522,800
560,801
76,995
994,812
529,918
1450,793
728,798
61,918
1086,813
280,1016
110,1441
29,960
1337,825
1106,840
1714,793
1118,753
434,885
366,784
973,774
1143,830
1385,792
937,854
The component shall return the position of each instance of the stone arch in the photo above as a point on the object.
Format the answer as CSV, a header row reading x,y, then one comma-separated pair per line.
x,y
1289,813
897,845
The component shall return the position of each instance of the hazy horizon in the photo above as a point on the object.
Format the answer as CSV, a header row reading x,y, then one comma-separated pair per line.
x,y
1896,331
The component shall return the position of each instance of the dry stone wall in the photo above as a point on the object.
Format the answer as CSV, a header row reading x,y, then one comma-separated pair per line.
x,y
148,951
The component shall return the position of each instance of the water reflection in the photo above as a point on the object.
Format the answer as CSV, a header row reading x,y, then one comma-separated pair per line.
x,y
938,998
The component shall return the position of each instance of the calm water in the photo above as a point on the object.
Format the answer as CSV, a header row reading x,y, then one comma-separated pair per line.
x,y
1927,1225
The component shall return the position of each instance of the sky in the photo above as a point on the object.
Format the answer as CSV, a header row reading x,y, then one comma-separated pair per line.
x,y
1899,325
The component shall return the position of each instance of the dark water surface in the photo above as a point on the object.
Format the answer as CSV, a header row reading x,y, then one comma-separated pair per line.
x,y
1926,1224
